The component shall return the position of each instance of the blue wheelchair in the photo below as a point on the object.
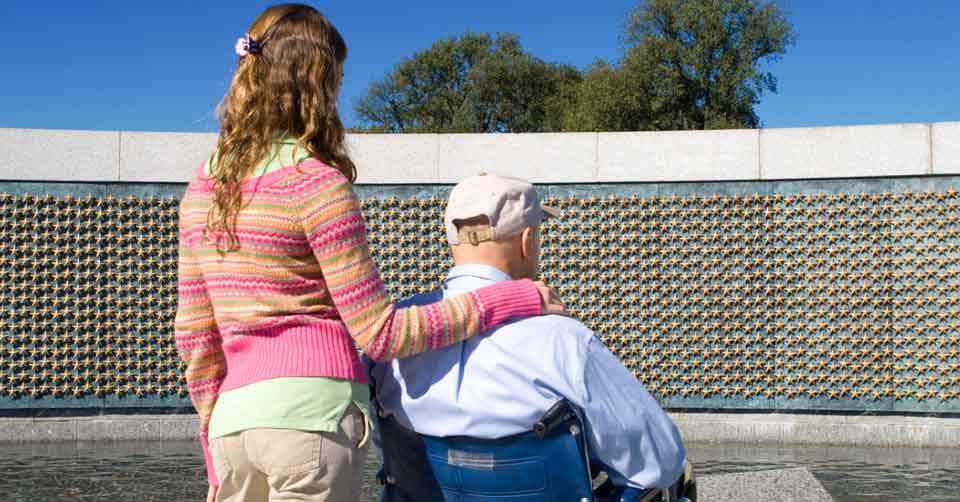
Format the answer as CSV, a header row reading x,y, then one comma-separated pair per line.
x,y
549,463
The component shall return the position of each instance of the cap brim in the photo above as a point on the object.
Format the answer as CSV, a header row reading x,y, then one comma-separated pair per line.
x,y
550,212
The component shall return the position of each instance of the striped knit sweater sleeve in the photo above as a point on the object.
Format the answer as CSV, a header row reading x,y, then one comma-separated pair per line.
x,y
334,226
199,344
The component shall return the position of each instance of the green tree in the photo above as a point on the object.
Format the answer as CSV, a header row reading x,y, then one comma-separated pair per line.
x,y
470,84
608,99
689,64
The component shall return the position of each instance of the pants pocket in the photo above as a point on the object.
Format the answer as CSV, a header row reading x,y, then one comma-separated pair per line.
x,y
281,452
355,426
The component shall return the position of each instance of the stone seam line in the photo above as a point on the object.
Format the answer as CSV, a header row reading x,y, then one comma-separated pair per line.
x,y
847,430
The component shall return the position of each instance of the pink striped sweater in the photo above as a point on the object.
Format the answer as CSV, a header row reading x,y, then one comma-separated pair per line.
x,y
302,293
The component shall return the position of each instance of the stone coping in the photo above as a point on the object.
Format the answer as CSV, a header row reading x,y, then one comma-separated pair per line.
x,y
607,157
777,485
849,430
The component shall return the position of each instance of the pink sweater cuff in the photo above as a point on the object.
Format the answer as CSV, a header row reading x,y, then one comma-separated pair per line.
x,y
208,460
505,300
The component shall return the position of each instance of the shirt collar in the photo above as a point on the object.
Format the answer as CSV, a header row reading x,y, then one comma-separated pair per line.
x,y
476,271
280,154
287,139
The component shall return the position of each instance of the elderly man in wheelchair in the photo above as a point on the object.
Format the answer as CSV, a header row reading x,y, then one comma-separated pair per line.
x,y
537,410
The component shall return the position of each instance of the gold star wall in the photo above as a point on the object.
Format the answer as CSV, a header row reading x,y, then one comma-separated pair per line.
x,y
803,301
87,297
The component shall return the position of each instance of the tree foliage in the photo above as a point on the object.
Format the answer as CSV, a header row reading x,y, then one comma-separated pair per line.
x,y
688,64
608,99
469,84
700,59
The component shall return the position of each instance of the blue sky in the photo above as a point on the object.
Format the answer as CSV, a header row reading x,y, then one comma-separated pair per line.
x,y
122,65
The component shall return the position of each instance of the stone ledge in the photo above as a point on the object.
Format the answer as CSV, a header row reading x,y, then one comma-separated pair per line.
x,y
887,431
393,158
53,155
667,156
858,430
98,428
779,485
163,157
845,152
945,147
538,157
724,155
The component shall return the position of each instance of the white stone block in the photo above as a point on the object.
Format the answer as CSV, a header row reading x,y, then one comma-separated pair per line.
x,y
163,156
539,157
946,147
678,155
55,155
839,152
394,158
780,485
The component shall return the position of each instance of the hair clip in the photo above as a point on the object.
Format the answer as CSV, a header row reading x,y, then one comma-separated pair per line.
x,y
246,45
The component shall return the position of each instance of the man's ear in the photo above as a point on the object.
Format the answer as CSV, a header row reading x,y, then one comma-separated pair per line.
x,y
526,243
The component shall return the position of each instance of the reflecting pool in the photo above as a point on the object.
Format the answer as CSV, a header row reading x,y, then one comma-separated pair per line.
x,y
172,472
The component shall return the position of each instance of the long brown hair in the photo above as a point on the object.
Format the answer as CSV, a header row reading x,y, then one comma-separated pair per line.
x,y
288,87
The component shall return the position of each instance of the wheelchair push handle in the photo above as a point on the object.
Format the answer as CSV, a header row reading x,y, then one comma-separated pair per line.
x,y
559,413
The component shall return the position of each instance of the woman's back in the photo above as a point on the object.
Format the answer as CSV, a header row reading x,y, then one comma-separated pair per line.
x,y
272,279
268,298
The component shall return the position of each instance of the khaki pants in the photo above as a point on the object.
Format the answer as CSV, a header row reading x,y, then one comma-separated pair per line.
x,y
261,465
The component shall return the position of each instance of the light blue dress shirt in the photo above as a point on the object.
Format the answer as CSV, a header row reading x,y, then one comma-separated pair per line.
x,y
500,383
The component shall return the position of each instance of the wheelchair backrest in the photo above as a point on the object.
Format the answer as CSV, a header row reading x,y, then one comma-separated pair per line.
x,y
519,468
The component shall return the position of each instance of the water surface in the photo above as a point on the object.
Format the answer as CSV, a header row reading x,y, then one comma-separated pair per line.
x,y
172,471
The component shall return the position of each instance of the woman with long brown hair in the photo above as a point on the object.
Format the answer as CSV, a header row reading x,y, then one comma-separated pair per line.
x,y
277,289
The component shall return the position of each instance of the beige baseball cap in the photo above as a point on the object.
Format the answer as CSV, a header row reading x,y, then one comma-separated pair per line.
x,y
510,205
